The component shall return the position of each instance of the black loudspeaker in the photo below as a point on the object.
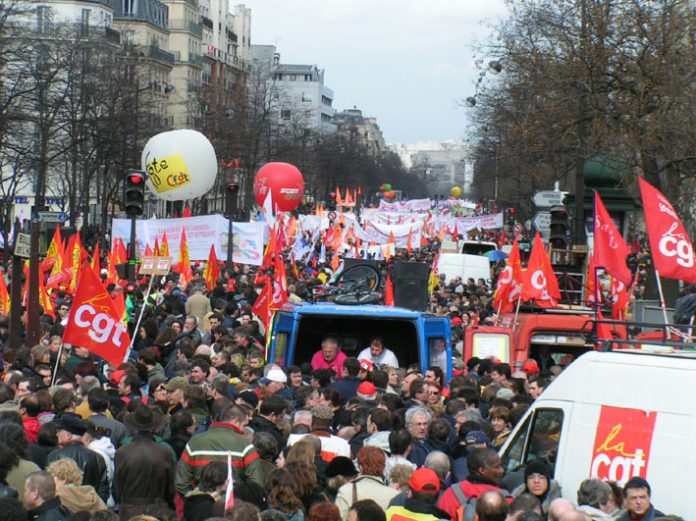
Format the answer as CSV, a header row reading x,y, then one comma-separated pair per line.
x,y
411,285
349,263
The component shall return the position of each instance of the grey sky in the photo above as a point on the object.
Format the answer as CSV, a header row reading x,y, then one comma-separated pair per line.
x,y
406,62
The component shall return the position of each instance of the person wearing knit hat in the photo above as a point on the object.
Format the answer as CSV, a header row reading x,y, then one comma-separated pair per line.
x,y
538,481
423,490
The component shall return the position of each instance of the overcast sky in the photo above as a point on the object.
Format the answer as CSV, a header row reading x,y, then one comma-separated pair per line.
x,y
406,62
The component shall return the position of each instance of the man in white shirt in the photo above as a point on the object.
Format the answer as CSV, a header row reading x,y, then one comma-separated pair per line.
x,y
378,354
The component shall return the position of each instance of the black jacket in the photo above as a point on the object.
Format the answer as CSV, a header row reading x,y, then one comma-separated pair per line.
x,y
51,510
144,473
261,424
91,463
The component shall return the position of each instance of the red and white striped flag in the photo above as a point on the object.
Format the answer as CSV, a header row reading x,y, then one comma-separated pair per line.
x,y
229,493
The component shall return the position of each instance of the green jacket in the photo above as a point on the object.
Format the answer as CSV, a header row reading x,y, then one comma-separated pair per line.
x,y
221,440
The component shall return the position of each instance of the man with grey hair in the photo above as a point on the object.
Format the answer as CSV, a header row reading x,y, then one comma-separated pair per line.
x,y
558,507
593,499
439,462
40,497
418,423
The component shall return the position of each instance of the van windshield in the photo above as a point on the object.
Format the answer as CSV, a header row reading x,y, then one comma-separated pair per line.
x,y
477,248
354,333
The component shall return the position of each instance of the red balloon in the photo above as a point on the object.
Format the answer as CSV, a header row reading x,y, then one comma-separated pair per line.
x,y
284,181
389,194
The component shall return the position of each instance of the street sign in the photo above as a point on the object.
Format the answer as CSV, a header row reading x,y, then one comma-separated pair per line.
x,y
53,217
542,222
518,228
332,216
23,245
548,198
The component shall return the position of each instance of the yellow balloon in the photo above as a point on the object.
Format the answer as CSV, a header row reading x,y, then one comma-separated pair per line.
x,y
456,192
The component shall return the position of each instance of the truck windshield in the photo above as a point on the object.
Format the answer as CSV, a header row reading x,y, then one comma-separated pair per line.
x,y
354,334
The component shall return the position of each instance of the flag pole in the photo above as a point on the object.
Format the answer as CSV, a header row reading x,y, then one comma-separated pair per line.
x,y
517,312
140,318
55,369
662,302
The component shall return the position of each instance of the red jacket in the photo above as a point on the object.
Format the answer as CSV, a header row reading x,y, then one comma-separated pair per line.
x,y
448,500
31,427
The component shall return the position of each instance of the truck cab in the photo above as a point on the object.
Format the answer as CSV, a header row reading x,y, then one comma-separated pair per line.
x,y
557,333
414,337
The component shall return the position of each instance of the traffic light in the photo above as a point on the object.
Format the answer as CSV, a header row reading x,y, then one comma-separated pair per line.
x,y
558,229
134,193
231,191
510,221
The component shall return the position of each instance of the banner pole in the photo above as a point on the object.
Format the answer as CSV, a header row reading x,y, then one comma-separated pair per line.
x,y
517,312
140,317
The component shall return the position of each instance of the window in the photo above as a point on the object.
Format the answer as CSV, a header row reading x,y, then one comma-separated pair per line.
x,y
84,26
43,18
129,7
285,114
278,77
539,442
281,343
306,96
437,353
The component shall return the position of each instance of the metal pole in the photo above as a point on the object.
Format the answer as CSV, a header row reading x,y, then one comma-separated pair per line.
x,y
33,306
131,252
579,235
230,242
55,369
16,329
140,317
662,304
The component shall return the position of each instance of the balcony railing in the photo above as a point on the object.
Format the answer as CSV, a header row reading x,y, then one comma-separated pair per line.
x,y
186,25
160,55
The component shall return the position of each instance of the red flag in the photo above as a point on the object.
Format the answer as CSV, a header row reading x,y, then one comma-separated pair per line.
x,y
610,249
148,251
591,295
672,251
96,265
212,269
156,250
229,489
509,284
55,250
186,212
389,292
183,267
271,249
262,306
44,298
280,285
619,299
164,247
540,281
94,323
4,296
408,241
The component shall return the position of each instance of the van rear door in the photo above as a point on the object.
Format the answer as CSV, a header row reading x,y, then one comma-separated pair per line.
x,y
283,333
436,345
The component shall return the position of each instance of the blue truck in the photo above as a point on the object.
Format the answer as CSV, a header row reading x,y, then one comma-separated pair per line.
x,y
416,338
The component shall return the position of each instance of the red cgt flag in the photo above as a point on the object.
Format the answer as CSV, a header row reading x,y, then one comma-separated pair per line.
x,y
262,306
94,322
672,251
610,249
389,292
509,284
540,281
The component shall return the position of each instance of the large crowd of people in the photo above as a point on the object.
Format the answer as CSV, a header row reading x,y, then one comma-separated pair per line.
x,y
198,425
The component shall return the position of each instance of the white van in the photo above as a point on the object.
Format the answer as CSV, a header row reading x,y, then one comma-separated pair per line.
x,y
615,415
464,266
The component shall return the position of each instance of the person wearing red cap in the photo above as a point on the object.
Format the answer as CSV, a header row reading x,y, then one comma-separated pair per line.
x,y
423,491
367,392
378,354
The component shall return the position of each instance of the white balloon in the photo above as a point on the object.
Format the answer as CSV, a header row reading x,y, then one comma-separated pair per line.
x,y
180,164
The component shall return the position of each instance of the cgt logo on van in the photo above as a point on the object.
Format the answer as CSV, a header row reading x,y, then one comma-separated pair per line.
x,y
622,444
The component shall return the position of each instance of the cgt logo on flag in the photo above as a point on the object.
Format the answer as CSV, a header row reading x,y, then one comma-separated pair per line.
x,y
94,322
622,444
93,315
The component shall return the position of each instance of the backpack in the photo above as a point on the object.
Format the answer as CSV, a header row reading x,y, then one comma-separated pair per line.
x,y
467,505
